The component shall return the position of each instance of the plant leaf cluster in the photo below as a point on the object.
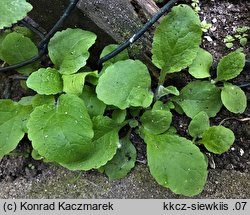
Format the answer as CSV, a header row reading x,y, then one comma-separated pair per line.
x,y
76,116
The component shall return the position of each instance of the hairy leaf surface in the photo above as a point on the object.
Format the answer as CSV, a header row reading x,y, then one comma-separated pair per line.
x,y
125,84
234,98
74,83
218,139
163,91
105,144
13,118
199,124
156,121
68,49
200,96
17,48
123,161
63,132
200,68
2,37
12,11
46,81
176,163
177,39
230,66
94,105
39,100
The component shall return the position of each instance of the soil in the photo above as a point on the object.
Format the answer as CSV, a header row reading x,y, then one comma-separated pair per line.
x,y
18,170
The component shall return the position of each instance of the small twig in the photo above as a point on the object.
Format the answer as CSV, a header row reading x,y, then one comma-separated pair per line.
x,y
245,85
142,161
234,118
3,64
19,77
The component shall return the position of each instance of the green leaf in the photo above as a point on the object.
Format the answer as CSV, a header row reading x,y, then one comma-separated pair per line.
x,y
12,11
177,39
156,121
243,41
61,133
121,56
172,130
68,49
133,123
233,98
26,101
158,105
17,48
46,81
123,161
200,68
229,45
176,163
200,96
2,37
164,91
218,139
39,100
24,31
119,115
94,105
13,117
230,66
199,124
105,144
74,84
35,155
129,84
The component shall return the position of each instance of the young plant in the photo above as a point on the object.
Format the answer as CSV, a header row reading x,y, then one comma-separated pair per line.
x,y
75,118
240,35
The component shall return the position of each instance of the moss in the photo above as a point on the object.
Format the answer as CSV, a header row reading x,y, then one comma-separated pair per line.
x,y
66,184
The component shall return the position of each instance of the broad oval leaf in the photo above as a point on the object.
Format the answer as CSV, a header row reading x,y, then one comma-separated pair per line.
x,y
46,81
156,121
74,83
234,98
105,144
199,124
218,139
230,66
200,96
177,39
12,11
125,84
94,106
68,49
200,68
176,163
122,162
13,117
17,48
63,132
